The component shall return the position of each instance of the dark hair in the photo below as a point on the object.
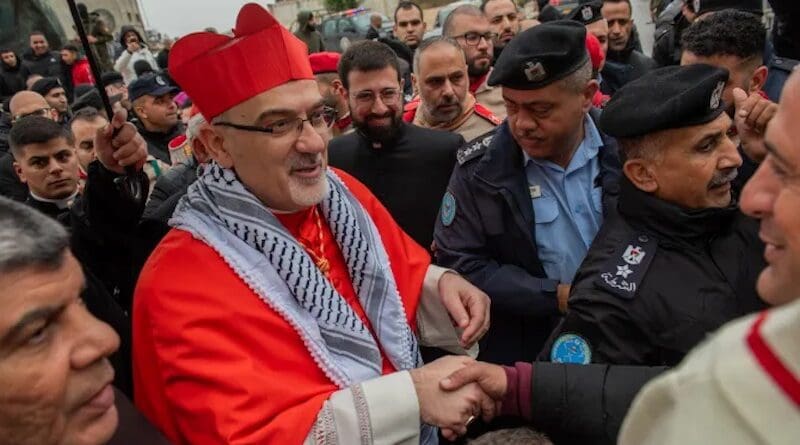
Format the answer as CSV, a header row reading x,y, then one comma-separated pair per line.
x,y
86,114
405,6
7,50
70,47
37,33
366,55
35,130
470,10
726,33
630,7
142,66
484,2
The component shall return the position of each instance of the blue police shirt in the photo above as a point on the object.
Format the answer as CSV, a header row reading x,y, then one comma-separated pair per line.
x,y
567,206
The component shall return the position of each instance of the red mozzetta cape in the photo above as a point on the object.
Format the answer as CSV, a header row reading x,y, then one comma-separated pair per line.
x,y
215,365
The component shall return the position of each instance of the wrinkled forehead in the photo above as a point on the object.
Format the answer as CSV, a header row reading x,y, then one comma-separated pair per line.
x,y
441,58
294,97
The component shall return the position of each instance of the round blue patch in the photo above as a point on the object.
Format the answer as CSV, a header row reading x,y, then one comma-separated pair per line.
x,y
448,209
571,348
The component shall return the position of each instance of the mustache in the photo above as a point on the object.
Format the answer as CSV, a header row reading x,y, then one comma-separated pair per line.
x,y
448,100
371,116
300,161
723,177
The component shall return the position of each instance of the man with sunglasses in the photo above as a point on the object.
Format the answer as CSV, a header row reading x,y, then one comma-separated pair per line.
x,y
405,165
470,28
280,307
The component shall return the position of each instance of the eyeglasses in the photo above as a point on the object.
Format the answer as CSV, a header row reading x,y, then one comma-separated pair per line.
x,y
41,112
473,38
388,96
320,120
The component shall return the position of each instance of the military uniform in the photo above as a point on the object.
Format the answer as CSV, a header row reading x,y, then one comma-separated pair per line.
x,y
659,277
740,387
490,97
480,120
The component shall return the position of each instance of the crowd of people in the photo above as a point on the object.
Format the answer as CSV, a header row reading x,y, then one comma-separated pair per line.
x,y
521,231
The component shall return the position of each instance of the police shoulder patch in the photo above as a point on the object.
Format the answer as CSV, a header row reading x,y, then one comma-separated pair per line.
x,y
474,148
624,271
448,212
571,348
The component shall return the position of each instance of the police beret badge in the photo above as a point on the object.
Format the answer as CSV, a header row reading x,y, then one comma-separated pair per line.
x,y
535,72
587,13
716,96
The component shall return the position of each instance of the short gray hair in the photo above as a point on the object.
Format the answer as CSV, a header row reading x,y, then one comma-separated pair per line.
x,y
430,41
29,238
576,82
193,126
468,10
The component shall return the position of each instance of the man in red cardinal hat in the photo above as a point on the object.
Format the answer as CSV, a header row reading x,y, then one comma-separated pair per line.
x,y
286,305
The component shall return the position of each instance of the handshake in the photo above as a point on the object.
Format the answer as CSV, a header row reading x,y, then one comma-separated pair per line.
x,y
454,390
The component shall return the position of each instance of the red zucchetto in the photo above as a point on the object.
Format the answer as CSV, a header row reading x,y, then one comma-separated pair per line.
x,y
219,72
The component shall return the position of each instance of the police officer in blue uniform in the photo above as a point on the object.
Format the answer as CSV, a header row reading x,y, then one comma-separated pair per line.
x,y
526,200
678,259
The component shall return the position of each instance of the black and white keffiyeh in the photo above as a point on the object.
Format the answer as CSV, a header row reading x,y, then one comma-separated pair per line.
x,y
221,212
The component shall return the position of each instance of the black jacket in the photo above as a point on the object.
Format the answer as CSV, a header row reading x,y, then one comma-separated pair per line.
x,y
409,177
133,427
102,225
10,185
491,240
658,279
157,142
11,80
584,404
624,66
667,44
46,65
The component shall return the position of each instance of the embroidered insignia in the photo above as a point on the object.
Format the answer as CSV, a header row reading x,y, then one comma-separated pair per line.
x,y
160,80
448,212
535,72
716,96
473,149
535,191
633,255
586,13
623,278
571,348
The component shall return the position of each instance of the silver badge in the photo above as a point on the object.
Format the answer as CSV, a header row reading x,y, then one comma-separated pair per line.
x,y
535,72
160,81
716,96
633,255
586,13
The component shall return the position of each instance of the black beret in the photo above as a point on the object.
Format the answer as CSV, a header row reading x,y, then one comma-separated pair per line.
x,y
587,13
669,97
110,77
45,84
751,6
90,98
541,55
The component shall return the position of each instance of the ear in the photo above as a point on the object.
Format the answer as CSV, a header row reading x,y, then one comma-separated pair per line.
x,y
20,174
588,94
758,79
638,171
414,83
215,144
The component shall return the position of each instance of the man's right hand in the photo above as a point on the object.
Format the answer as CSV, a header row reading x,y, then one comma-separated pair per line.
x,y
449,410
491,378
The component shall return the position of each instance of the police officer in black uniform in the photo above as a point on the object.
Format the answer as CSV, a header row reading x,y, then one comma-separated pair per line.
x,y
526,200
679,259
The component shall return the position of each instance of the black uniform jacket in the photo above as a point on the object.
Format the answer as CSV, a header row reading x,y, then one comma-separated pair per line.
x,y
487,233
658,279
408,176
624,66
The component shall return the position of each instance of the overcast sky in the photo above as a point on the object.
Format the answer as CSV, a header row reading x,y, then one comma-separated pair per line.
x,y
179,17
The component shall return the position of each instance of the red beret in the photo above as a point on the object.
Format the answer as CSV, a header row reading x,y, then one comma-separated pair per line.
x,y
324,62
219,72
595,51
